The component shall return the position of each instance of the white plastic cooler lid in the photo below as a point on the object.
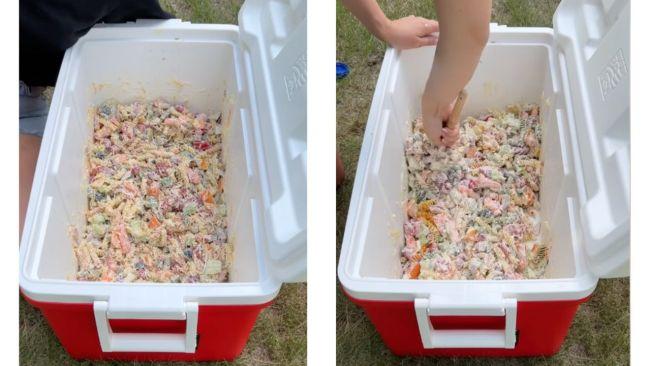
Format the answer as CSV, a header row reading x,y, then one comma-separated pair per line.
x,y
593,43
274,39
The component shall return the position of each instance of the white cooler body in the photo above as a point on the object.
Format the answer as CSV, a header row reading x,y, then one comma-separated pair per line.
x,y
505,317
210,68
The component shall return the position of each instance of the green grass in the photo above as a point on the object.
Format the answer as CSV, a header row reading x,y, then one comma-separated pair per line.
x,y
204,11
600,331
280,333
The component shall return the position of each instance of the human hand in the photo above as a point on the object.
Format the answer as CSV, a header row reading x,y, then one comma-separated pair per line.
x,y
433,118
410,32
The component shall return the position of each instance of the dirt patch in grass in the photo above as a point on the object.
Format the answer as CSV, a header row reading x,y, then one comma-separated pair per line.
x,y
600,331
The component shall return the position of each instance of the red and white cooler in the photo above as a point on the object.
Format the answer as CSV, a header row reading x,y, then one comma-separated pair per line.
x,y
256,75
579,73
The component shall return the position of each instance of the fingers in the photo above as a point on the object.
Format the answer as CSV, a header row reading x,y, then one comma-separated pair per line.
x,y
412,32
428,26
430,40
428,32
450,136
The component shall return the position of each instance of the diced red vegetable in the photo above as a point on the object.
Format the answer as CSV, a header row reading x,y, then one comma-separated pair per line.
x,y
201,145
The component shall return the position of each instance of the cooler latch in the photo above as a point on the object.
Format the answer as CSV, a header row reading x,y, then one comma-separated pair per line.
x,y
466,338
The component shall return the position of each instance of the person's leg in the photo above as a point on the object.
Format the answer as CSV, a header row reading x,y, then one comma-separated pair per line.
x,y
340,171
33,110
29,148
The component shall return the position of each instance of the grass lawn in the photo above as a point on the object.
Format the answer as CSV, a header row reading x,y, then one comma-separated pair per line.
x,y
601,329
280,333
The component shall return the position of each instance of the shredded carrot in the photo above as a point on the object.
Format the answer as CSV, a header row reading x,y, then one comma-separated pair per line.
x,y
204,164
153,191
207,197
106,277
415,271
424,211
154,223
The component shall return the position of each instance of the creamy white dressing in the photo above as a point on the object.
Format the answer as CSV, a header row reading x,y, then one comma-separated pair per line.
x,y
155,197
473,209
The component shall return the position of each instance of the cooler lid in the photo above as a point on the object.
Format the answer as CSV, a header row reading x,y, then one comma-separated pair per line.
x,y
593,43
274,43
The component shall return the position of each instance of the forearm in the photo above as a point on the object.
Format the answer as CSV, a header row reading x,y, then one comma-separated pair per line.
x,y
370,15
464,29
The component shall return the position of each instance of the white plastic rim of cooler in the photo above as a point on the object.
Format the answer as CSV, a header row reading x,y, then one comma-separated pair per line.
x,y
140,61
274,36
518,65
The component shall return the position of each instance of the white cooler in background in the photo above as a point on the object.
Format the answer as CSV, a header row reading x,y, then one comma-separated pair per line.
x,y
579,73
256,75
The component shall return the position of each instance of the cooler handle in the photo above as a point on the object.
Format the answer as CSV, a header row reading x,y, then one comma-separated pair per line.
x,y
142,342
466,338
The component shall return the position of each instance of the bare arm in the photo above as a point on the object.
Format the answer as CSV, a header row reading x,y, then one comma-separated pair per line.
x,y
403,33
464,30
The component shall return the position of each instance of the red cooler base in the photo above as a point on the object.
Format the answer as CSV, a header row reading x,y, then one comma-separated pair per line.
x,y
541,328
222,331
